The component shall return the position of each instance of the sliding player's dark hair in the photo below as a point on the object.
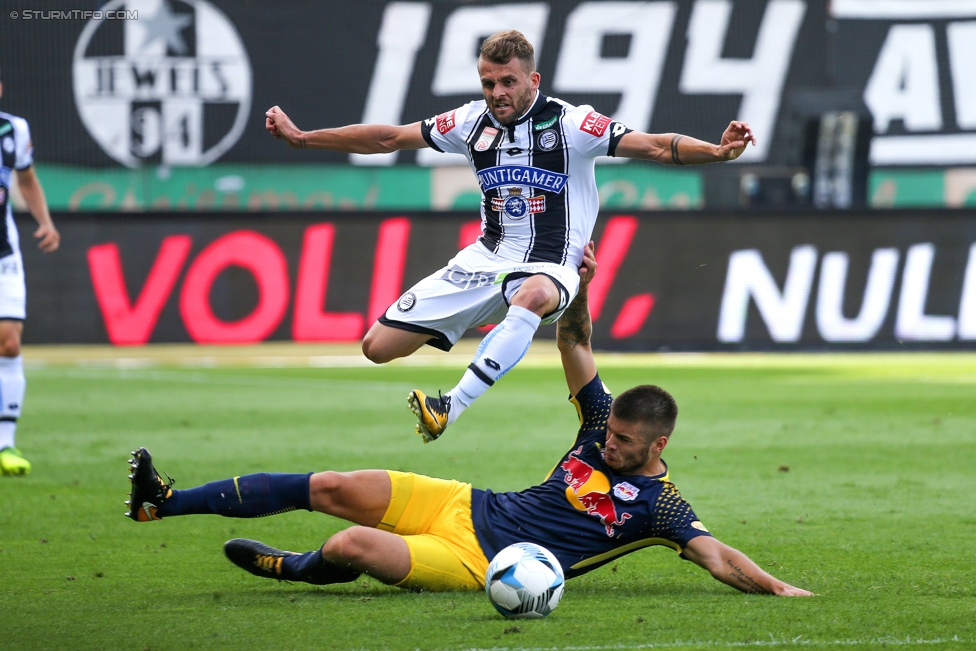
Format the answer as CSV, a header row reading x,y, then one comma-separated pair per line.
x,y
647,404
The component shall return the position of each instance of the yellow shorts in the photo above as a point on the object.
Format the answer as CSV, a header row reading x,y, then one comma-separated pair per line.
x,y
434,518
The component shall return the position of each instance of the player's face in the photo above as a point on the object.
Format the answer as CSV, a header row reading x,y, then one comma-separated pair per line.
x,y
509,88
626,450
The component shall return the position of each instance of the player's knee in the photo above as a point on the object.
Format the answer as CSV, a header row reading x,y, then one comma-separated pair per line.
x,y
534,299
375,349
325,490
345,548
10,345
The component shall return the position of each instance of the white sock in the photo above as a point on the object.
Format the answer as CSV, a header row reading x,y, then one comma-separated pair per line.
x,y
499,352
12,386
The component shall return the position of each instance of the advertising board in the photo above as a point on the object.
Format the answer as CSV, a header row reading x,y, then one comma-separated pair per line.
x,y
667,281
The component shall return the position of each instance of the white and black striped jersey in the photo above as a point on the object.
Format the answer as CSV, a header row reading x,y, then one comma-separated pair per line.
x,y
537,174
16,153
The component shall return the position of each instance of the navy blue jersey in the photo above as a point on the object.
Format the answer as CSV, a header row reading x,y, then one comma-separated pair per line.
x,y
584,512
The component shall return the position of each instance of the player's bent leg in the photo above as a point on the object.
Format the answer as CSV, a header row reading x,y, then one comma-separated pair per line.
x,y
433,517
266,561
380,554
436,565
537,294
362,496
422,562
507,343
383,343
12,387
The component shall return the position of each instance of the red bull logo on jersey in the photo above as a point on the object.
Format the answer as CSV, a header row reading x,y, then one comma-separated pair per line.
x,y
601,505
578,472
588,490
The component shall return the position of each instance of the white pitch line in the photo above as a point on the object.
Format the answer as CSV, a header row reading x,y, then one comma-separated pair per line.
x,y
799,641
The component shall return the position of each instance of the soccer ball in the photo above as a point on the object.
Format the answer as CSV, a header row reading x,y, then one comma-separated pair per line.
x,y
524,581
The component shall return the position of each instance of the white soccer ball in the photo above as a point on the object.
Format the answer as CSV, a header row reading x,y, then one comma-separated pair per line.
x,y
524,581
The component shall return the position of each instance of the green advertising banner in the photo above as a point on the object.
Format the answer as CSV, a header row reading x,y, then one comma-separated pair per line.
x,y
330,187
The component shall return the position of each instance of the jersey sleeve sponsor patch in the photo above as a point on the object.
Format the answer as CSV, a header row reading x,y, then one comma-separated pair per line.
x,y
595,124
445,132
427,130
446,122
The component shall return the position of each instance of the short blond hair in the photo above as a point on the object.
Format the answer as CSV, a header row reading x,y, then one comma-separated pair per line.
x,y
505,46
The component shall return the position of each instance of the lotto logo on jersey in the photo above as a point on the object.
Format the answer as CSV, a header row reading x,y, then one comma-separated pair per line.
x,y
446,122
595,123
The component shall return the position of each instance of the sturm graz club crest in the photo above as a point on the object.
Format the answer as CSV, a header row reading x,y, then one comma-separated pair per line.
x,y
517,206
172,87
406,302
548,140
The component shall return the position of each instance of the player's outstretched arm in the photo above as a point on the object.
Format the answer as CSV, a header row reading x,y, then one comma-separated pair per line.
x,y
574,328
732,567
352,139
676,149
33,193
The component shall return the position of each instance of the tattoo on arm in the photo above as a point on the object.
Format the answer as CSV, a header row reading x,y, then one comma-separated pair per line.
x,y
746,582
674,150
574,326
301,143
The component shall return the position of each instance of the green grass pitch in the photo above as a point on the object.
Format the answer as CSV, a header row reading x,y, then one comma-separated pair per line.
x,y
852,476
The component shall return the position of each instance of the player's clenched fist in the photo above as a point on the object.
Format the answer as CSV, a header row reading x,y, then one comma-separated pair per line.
x,y
280,125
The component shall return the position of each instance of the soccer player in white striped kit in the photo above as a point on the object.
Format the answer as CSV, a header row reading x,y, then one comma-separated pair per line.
x,y
534,158
16,156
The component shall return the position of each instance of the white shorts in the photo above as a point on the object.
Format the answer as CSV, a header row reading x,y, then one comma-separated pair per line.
x,y
13,291
474,289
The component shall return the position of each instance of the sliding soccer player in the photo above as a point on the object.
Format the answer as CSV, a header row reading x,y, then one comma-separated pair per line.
x,y
609,495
